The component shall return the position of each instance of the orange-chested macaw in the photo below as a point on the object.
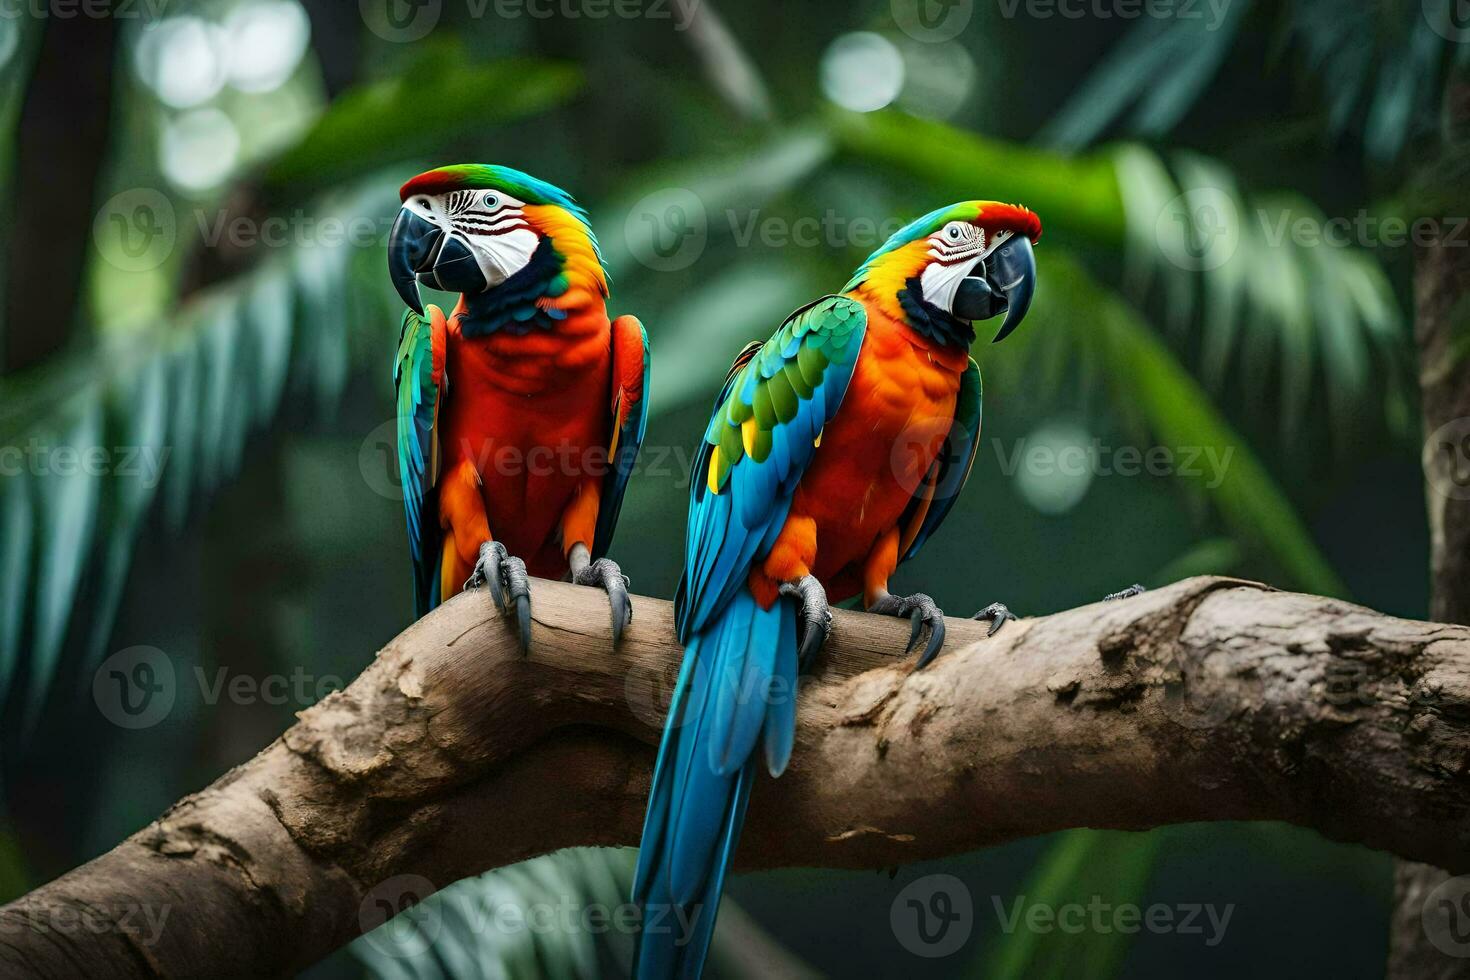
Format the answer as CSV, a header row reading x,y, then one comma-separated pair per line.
x,y
836,449
521,414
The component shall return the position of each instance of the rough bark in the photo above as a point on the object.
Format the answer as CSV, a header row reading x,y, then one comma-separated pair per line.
x,y
1212,699
1441,325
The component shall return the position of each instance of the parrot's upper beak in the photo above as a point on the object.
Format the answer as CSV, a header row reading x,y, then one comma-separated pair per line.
x,y
1004,282
420,251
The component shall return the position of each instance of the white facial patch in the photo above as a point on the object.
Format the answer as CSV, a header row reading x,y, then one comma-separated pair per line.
x,y
954,251
490,223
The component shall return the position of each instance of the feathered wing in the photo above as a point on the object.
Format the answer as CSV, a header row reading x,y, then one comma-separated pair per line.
x,y
758,443
941,487
764,431
630,366
420,380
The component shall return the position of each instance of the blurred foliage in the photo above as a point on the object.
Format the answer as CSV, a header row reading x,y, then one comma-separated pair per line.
x,y
261,371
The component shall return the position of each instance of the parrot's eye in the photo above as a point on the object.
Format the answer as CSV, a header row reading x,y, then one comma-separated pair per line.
x,y
954,233
490,200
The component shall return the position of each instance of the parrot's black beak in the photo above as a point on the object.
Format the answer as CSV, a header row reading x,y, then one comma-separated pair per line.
x,y
421,252
413,245
1004,283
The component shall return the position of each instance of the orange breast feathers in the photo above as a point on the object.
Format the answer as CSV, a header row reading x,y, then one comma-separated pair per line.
x,y
872,461
530,417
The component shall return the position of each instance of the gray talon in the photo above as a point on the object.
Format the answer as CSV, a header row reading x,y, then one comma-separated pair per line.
x,y
1127,593
506,576
815,616
997,615
605,574
922,612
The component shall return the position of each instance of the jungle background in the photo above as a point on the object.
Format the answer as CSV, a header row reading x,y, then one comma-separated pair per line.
x,y
198,333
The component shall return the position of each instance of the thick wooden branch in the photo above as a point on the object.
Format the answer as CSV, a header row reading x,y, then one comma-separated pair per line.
x,y
1212,699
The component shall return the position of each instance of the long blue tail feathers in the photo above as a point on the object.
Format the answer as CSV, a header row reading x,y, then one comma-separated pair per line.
x,y
736,688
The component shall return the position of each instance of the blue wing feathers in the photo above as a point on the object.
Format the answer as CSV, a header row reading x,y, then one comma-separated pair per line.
x,y
417,412
737,686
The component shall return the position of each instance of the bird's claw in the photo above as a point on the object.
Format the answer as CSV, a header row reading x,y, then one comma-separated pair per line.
x,y
997,615
923,613
605,574
509,584
816,616
1127,593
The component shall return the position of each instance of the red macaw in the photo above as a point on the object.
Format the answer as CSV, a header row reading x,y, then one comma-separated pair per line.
x,y
521,414
835,450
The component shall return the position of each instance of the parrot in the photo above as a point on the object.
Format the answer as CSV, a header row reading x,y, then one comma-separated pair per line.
x,y
835,450
521,413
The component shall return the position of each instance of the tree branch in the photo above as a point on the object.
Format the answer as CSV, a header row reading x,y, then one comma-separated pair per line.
x,y
1212,699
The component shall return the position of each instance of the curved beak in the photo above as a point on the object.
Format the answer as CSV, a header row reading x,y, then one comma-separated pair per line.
x,y
1006,284
413,244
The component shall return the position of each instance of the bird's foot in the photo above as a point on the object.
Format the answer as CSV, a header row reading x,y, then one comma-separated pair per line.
x,y
997,615
922,613
1127,593
606,575
816,616
509,585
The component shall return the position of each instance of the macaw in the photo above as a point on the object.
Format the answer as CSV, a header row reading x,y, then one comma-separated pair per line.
x,y
520,415
835,450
